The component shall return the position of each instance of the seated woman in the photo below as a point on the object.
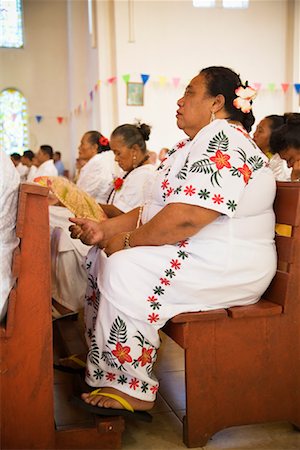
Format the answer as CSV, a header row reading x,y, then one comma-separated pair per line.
x,y
128,144
262,139
286,142
206,241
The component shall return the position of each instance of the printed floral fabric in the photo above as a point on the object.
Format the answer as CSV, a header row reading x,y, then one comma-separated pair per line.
x,y
227,263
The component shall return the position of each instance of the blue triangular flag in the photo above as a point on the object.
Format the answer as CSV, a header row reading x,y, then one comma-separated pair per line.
x,y
145,78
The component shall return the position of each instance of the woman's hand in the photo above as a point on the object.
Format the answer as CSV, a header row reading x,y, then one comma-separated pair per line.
x,y
115,244
88,231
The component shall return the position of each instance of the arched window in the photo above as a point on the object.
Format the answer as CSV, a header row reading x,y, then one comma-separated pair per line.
x,y
13,121
11,23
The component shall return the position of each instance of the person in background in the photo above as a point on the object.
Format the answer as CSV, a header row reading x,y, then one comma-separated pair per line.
x,y
285,141
21,168
45,162
153,158
78,166
162,154
28,161
9,189
58,163
205,241
262,139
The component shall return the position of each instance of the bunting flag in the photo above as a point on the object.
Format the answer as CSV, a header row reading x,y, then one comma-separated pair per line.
x,y
175,81
257,86
271,87
145,78
297,87
96,87
126,77
59,119
91,95
285,86
111,80
38,118
162,80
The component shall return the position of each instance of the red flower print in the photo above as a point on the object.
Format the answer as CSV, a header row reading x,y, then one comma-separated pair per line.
x,y
134,383
217,198
165,184
153,317
103,141
154,389
190,190
151,299
165,281
221,160
118,182
169,191
183,243
122,353
175,264
180,145
145,356
246,172
110,376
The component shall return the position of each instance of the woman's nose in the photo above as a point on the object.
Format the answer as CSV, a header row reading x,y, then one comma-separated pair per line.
x,y
180,102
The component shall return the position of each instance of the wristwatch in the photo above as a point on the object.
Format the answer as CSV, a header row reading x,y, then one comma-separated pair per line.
x,y
126,240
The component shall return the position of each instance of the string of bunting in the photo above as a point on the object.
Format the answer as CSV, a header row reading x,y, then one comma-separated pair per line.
x,y
162,81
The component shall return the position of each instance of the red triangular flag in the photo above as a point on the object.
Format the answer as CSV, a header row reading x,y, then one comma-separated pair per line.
x,y
59,119
111,80
285,86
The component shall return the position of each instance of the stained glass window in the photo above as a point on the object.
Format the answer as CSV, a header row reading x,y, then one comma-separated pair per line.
x,y
13,122
11,23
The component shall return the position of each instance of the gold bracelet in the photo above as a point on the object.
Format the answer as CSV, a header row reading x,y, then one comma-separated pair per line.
x,y
126,240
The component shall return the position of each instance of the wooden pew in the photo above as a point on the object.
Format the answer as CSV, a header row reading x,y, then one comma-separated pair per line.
x,y
27,419
242,364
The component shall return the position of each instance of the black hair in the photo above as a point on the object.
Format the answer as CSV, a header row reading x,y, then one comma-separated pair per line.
x,y
222,80
48,150
288,135
15,156
276,121
136,134
29,154
58,154
95,137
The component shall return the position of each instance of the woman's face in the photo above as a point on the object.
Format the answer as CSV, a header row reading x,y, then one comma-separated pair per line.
x,y
291,155
124,155
86,149
262,135
195,107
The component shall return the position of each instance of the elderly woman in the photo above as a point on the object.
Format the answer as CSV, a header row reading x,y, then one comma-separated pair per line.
x,y
128,145
205,242
286,142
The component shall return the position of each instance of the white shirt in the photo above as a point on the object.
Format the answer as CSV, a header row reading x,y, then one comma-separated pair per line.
x,y
46,169
96,176
31,173
23,171
9,187
280,168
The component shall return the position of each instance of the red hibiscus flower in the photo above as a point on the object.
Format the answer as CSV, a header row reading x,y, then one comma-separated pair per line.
x,y
246,172
122,353
145,356
175,264
221,160
217,198
153,317
134,383
110,376
190,190
118,183
103,141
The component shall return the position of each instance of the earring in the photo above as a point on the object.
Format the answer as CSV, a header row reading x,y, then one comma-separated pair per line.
x,y
134,164
212,117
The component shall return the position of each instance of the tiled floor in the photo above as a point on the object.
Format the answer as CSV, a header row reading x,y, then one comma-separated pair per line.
x,y
165,431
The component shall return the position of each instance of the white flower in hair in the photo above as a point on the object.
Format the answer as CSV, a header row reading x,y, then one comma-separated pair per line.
x,y
245,96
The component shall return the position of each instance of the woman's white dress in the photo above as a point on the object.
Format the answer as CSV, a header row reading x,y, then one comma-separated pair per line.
x,y
229,262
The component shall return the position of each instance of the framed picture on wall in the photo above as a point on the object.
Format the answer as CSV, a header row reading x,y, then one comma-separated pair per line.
x,y
135,94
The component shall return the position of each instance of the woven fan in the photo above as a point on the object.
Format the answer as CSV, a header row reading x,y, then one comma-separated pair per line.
x,y
77,201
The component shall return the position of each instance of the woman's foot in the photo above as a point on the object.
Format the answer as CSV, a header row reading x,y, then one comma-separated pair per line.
x,y
107,402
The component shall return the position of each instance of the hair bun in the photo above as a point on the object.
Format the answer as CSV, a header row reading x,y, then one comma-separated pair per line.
x,y
144,129
292,119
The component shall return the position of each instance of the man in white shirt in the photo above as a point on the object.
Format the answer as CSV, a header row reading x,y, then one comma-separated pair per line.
x,y
45,162
27,160
21,168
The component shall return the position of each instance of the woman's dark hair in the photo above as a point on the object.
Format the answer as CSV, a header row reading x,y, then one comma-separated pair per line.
x,y
276,121
221,80
101,141
29,154
47,150
136,134
288,135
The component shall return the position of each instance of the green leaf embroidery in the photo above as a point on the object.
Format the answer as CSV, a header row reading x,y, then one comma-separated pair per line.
x,y
231,205
182,174
94,352
182,254
256,162
218,142
122,379
202,166
158,290
155,305
204,193
118,332
242,154
108,358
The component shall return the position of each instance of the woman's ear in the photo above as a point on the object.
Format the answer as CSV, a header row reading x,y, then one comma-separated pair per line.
x,y
218,103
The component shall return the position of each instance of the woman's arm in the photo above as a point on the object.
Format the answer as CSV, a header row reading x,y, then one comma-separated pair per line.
x,y
111,210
